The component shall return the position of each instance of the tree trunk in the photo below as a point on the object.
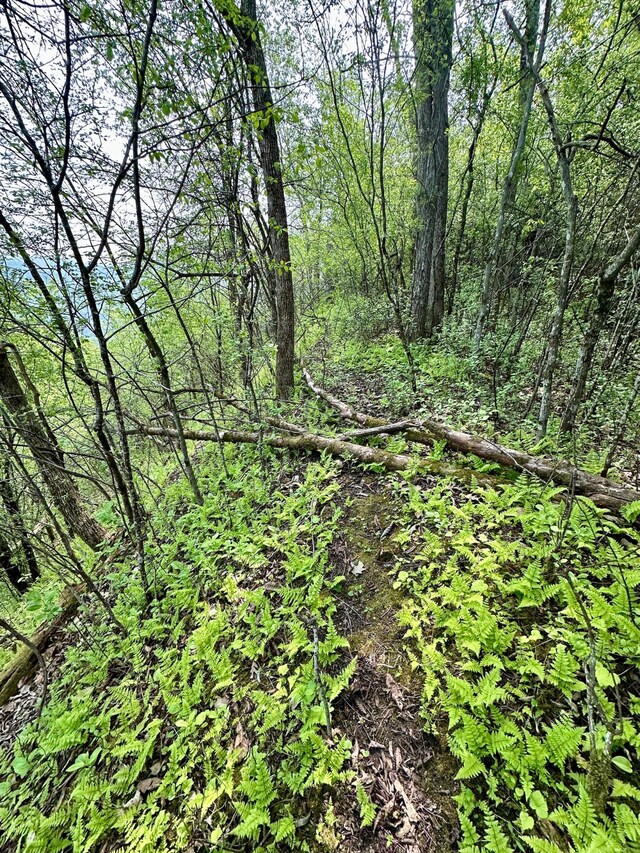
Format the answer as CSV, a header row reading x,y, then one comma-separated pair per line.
x,y
432,34
245,27
156,353
468,177
47,455
10,567
571,201
557,323
12,508
603,492
509,189
604,302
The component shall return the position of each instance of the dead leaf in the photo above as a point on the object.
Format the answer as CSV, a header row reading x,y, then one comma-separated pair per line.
x,y
384,812
398,757
355,752
405,829
358,568
396,693
133,801
412,814
241,742
156,767
149,784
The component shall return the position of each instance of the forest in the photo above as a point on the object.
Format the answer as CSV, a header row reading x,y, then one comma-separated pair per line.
x,y
320,426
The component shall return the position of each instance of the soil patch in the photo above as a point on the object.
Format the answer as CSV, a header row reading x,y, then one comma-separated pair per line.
x,y
408,775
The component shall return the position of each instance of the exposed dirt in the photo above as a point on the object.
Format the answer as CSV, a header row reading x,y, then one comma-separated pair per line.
x,y
23,707
408,775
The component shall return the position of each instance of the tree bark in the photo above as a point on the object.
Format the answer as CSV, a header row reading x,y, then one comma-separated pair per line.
x,y
245,27
47,456
433,35
604,302
10,567
12,508
603,492
326,444
510,186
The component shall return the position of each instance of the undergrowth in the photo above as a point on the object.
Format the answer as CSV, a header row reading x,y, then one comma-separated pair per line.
x,y
204,725
523,621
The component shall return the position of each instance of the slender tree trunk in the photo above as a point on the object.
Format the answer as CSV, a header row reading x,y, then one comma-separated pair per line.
x,y
71,339
510,186
47,455
608,462
11,568
432,34
469,178
557,323
571,201
245,27
604,302
155,350
12,508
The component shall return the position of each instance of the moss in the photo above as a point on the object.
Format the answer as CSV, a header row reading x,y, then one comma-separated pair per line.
x,y
378,639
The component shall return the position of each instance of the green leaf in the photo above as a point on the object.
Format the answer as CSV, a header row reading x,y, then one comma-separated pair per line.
x,y
20,765
605,677
526,821
471,767
539,804
622,763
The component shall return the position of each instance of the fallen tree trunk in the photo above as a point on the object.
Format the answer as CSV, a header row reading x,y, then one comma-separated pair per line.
x,y
26,660
602,491
327,444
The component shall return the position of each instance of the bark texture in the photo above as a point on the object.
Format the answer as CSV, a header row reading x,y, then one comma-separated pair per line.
x,y
244,24
12,508
38,437
432,33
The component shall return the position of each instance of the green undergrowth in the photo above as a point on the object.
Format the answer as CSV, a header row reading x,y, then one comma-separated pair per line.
x,y
203,726
524,622
455,386
29,611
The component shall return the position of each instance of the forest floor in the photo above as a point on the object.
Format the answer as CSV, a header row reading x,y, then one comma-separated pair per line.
x,y
449,639
409,776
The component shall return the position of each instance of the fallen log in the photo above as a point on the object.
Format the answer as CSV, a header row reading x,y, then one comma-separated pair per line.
x,y
26,660
602,491
327,444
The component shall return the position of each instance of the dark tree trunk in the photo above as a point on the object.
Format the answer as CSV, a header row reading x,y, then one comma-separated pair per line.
x,y
47,455
433,34
246,29
604,303
10,567
12,508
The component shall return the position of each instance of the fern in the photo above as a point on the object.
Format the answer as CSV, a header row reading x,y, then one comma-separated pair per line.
x,y
367,808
